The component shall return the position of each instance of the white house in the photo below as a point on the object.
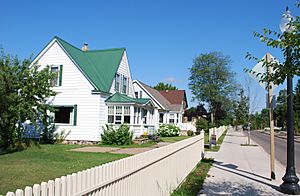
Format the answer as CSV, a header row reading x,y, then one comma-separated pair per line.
x,y
94,88
169,105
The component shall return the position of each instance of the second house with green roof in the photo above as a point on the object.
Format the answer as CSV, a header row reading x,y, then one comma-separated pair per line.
x,y
94,88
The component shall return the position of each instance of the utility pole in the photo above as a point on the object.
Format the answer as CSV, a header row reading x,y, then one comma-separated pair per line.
x,y
270,101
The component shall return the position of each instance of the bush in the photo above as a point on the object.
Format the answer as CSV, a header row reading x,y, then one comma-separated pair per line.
x,y
168,130
120,136
190,133
202,124
61,136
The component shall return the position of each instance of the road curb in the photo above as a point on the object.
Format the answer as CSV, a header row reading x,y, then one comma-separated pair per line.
x,y
278,136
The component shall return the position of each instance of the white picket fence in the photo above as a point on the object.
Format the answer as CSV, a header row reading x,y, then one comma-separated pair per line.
x,y
155,172
217,131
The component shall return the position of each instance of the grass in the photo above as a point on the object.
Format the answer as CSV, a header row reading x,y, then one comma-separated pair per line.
x,y
35,165
193,183
215,148
144,145
174,139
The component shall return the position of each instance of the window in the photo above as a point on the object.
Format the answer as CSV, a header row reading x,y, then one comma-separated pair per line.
x,y
57,71
127,114
118,119
151,112
161,117
110,114
141,95
65,114
136,94
171,119
125,85
117,83
144,116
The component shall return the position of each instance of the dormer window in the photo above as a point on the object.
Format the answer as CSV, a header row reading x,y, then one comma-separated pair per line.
x,y
57,79
125,85
117,83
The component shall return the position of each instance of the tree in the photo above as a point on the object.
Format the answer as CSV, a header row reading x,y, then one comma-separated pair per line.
x,y
164,86
211,81
198,111
281,108
297,107
242,109
24,90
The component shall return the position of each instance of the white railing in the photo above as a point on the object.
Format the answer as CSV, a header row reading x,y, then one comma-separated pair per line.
x,y
217,131
139,130
155,172
187,126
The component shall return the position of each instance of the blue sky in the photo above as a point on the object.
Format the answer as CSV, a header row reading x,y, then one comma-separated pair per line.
x,y
161,37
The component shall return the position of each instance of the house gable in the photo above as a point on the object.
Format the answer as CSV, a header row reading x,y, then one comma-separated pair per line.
x,y
124,70
72,77
98,66
151,93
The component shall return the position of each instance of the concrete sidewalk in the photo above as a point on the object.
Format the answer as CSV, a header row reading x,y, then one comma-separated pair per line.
x,y
241,170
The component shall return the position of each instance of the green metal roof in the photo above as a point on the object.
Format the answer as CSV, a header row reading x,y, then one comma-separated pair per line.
x,y
99,66
122,98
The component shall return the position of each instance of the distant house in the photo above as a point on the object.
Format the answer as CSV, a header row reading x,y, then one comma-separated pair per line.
x,y
170,105
94,88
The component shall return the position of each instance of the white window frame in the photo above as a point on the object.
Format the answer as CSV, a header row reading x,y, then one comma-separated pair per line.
x,y
124,84
118,82
57,76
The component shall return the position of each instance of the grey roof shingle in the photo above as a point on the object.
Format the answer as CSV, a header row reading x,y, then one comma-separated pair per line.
x,y
156,94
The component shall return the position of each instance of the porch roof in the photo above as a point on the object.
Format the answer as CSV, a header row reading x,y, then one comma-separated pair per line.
x,y
122,98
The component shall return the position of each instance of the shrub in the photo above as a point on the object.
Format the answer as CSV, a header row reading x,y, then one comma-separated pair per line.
x,y
202,124
61,136
154,137
120,136
190,133
168,130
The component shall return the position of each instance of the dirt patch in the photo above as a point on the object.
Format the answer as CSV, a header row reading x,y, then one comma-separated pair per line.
x,y
95,149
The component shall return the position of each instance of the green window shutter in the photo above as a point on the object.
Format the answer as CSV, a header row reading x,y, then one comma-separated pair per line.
x,y
75,115
60,75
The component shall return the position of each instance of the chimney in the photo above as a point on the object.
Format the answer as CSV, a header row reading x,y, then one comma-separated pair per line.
x,y
85,47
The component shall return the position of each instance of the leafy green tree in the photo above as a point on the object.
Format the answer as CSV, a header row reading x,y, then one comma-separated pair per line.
x,y
211,81
24,90
297,107
164,86
288,43
198,111
242,108
281,108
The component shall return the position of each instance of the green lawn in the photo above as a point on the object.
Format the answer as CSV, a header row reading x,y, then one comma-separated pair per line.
x,y
148,144
216,147
174,139
193,183
34,165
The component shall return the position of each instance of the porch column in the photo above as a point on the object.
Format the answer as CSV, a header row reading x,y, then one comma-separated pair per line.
x,y
131,114
148,117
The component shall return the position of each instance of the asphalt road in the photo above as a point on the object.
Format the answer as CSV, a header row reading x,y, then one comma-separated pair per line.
x,y
280,147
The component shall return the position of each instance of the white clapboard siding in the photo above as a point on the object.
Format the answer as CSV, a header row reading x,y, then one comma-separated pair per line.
x,y
155,172
124,70
75,89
